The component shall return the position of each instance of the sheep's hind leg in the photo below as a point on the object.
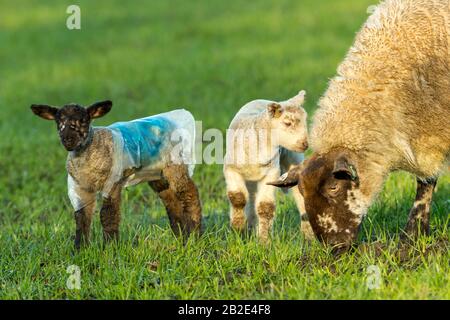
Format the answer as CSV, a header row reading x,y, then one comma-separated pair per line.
x,y
110,214
238,196
185,190
419,215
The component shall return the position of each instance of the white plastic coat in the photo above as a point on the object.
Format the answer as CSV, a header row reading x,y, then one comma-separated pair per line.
x,y
146,145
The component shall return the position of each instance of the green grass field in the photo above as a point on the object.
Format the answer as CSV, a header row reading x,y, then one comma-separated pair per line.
x,y
210,57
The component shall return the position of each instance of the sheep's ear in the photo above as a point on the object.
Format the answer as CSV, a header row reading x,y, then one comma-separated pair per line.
x,y
99,109
275,110
299,99
343,169
44,111
289,179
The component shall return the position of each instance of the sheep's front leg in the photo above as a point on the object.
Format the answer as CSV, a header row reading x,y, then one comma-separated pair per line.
x,y
110,214
184,189
419,215
83,219
238,196
265,206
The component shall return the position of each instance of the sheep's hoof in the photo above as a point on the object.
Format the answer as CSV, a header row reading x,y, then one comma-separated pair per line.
x,y
414,230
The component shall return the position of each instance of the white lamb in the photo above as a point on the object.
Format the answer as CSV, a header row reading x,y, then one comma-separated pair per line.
x,y
264,139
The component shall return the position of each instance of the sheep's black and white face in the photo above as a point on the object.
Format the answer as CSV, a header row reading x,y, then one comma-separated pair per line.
x,y
331,189
73,121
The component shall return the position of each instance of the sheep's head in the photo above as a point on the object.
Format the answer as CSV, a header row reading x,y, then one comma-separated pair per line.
x,y
73,121
331,189
288,123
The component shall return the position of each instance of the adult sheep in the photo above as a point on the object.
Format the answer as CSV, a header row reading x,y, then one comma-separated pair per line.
x,y
388,109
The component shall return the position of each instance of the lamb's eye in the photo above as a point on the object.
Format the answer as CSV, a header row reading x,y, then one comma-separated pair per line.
x,y
287,124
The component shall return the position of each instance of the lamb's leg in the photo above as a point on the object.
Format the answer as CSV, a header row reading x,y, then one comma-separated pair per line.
x,y
265,206
173,205
305,226
419,215
289,160
110,214
250,210
238,196
186,192
83,219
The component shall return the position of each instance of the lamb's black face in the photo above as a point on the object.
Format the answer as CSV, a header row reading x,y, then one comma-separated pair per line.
x,y
73,121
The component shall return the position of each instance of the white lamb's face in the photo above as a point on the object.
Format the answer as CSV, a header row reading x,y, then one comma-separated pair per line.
x,y
289,127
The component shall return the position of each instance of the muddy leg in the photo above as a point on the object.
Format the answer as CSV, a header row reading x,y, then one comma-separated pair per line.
x,y
265,205
110,214
83,219
266,213
186,192
419,215
174,207
238,196
265,209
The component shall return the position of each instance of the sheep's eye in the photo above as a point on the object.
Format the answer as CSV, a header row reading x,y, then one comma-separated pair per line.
x,y
287,124
333,188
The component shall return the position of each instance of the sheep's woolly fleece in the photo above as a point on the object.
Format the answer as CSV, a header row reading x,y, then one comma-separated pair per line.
x,y
390,101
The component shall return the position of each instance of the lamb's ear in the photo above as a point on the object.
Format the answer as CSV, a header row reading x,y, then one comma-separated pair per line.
x,y
99,109
275,110
289,179
44,111
343,169
299,99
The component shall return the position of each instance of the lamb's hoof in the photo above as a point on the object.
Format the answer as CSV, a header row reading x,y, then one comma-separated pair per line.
x,y
80,243
239,225
110,237
264,239
307,231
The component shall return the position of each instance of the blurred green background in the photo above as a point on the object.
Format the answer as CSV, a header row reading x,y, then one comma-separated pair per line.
x,y
210,57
